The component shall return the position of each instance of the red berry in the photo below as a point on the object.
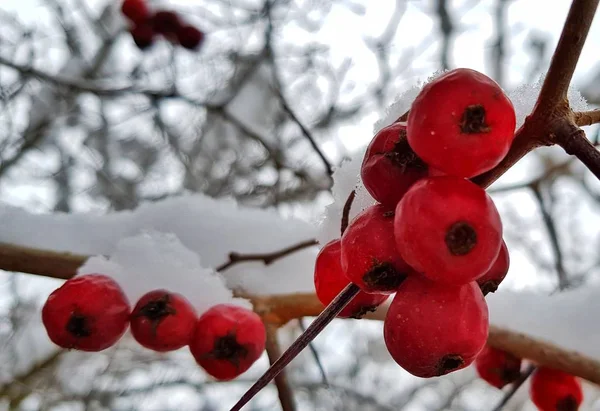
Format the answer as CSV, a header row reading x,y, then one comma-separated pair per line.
x,y
498,368
369,256
390,166
166,22
89,313
330,280
448,229
190,37
432,329
553,390
461,123
490,281
163,321
143,35
135,10
227,340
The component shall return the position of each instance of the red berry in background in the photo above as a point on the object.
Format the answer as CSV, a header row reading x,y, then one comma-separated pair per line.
x,y
143,35
330,280
135,10
88,312
190,37
461,123
163,321
369,256
227,340
498,368
554,390
431,329
448,229
390,166
490,281
166,22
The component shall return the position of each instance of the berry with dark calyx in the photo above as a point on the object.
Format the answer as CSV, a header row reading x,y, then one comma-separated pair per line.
x,y
390,166
369,256
490,281
166,23
330,280
227,340
448,229
498,368
88,313
190,37
461,123
163,321
135,10
432,329
143,35
554,390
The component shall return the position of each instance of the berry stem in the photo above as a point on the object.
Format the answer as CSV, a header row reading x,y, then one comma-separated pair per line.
x,y
346,211
324,318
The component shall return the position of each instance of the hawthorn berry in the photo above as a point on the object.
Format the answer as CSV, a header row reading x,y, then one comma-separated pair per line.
x,y
448,229
88,313
498,368
330,280
227,340
163,321
190,37
135,10
461,123
554,390
490,281
143,35
390,166
432,329
368,252
166,22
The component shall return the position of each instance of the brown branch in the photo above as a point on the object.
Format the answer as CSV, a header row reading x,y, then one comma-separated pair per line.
x,y
286,396
586,118
28,260
576,143
266,258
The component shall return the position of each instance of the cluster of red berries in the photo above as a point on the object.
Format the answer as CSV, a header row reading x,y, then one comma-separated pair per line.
x,y
91,313
434,238
551,390
146,25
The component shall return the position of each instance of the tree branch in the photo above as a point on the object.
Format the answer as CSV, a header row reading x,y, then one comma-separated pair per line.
x,y
586,118
577,144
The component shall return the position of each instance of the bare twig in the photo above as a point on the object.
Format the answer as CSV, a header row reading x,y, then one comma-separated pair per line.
x,y
315,354
447,29
286,396
266,258
515,387
586,118
346,211
577,144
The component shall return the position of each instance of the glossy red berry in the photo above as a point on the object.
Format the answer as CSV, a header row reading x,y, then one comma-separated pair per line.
x,y
498,368
490,281
163,321
135,10
369,256
390,166
461,123
166,22
448,229
330,280
553,390
143,35
432,329
88,312
190,37
227,340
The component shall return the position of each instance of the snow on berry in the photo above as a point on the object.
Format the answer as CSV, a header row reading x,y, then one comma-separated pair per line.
x,y
227,340
448,229
491,280
498,368
330,280
554,390
390,166
431,329
87,313
369,256
461,123
163,321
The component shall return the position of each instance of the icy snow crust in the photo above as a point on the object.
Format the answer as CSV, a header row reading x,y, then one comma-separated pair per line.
x,y
176,243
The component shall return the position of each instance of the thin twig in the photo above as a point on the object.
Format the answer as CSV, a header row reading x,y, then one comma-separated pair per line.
x,y
346,211
577,144
315,354
266,258
586,118
515,387
284,391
